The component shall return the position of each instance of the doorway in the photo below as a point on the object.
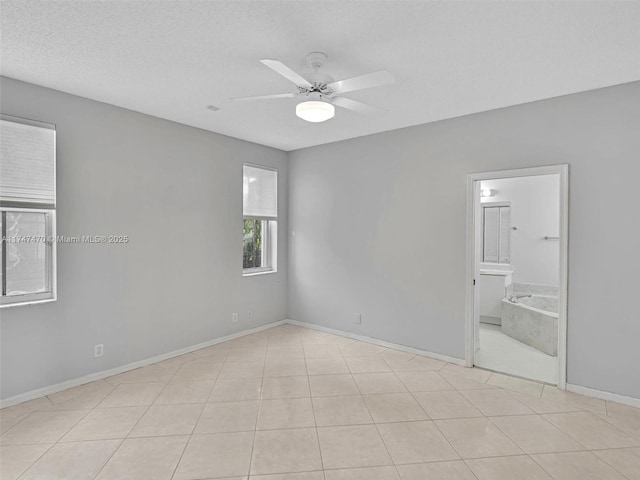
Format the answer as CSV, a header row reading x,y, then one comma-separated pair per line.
x,y
517,242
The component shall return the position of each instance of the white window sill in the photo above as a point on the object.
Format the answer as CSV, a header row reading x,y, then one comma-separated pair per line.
x,y
27,302
255,274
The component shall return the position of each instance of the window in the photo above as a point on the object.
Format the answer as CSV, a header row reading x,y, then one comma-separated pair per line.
x,y
260,212
27,211
496,221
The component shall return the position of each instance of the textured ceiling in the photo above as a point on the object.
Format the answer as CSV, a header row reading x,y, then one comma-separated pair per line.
x,y
173,58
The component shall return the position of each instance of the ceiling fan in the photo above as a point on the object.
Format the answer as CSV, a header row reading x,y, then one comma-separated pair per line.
x,y
321,92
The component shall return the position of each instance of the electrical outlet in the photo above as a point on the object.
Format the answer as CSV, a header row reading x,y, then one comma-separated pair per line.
x,y
358,318
98,350
234,319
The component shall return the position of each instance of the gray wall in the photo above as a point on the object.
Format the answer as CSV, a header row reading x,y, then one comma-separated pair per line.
x,y
378,226
177,192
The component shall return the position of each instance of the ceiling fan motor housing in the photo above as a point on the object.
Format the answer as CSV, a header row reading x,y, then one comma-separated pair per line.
x,y
316,60
319,81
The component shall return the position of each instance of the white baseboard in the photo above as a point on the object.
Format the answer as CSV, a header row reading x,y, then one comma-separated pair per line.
x,y
612,397
41,392
382,343
58,387
589,392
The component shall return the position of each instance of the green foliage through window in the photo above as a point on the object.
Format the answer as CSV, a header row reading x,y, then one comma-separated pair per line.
x,y
252,243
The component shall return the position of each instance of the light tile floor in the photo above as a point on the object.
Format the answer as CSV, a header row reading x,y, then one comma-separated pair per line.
x,y
501,353
291,403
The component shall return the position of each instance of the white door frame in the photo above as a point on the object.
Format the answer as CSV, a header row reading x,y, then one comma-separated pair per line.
x,y
473,252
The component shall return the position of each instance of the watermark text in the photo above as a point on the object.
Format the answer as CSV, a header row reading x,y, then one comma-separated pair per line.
x,y
49,240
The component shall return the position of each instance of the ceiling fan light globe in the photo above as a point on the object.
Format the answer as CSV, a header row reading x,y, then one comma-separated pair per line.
x,y
314,111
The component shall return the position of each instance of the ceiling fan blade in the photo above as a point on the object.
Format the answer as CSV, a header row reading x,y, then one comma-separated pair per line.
x,y
286,72
356,106
368,80
266,97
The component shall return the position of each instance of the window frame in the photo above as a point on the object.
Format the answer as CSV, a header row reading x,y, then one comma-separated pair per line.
x,y
269,232
269,244
484,206
51,295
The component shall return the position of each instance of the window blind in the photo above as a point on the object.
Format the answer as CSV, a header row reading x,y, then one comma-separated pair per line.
x,y
27,162
259,192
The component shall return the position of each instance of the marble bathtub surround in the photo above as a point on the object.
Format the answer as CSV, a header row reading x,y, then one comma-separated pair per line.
x,y
528,323
534,289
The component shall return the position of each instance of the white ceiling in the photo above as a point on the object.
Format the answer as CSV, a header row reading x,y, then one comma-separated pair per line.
x,y
173,58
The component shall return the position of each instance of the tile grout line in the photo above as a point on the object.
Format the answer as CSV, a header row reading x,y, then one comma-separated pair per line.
x,y
612,466
597,417
466,464
21,474
132,428
110,457
584,449
440,431
77,423
615,448
541,391
127,437
542,467
204,405
313,412
533,412
562,431
378,429
27,415
489,419
259,409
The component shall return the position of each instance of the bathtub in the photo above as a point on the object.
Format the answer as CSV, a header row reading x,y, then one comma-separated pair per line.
x,y
534,321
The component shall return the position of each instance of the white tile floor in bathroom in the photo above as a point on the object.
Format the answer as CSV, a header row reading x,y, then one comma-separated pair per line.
x,y
291,403
501,353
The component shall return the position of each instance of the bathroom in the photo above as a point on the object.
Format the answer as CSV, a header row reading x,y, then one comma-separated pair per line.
x,y
517,321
